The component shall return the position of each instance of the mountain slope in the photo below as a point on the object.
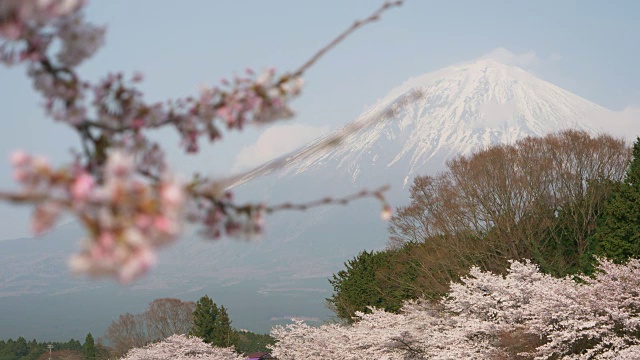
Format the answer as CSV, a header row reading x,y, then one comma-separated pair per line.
x,y
452,111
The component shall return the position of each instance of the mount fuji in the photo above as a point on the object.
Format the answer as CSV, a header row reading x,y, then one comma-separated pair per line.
x,y
411,131
430,118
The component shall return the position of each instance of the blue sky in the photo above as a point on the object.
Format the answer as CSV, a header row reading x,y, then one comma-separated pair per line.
x,y
590,48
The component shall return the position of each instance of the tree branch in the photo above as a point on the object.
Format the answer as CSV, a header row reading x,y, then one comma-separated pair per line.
x,y
375,16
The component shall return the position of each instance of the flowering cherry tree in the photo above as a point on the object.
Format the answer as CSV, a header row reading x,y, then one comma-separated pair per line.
x,y
181,347
524,313
594,319
419,332
119,184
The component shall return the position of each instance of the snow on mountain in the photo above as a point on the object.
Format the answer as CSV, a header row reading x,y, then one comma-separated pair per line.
x,y
451,111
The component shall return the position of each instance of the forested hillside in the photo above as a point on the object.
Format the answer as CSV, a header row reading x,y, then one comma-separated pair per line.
x,y
560,201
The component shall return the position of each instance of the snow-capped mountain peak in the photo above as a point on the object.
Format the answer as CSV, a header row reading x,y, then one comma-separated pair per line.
x,y
458,109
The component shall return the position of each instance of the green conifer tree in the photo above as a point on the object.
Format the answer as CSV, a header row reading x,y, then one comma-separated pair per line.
x,y
359,287
224,335
618,233
89,348
204,318
21,348
212,324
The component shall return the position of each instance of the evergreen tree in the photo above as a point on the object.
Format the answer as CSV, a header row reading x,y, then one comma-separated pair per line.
x,y
212,324
371,279
223,333
21,348
89,348
618,232
73,345
33,344
204,318
10,347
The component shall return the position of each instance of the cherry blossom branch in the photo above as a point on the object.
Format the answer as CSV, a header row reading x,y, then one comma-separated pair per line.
x,y
221,216
20,198
345,200
119,185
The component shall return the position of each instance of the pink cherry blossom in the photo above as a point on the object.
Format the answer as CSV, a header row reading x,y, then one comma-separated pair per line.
x,y
181,347
118,184
45,217
19,158
596,319
82,186
386,213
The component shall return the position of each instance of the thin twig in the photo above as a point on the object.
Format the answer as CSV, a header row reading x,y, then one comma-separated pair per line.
x,y
357,24
377,193
330,201
19,198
